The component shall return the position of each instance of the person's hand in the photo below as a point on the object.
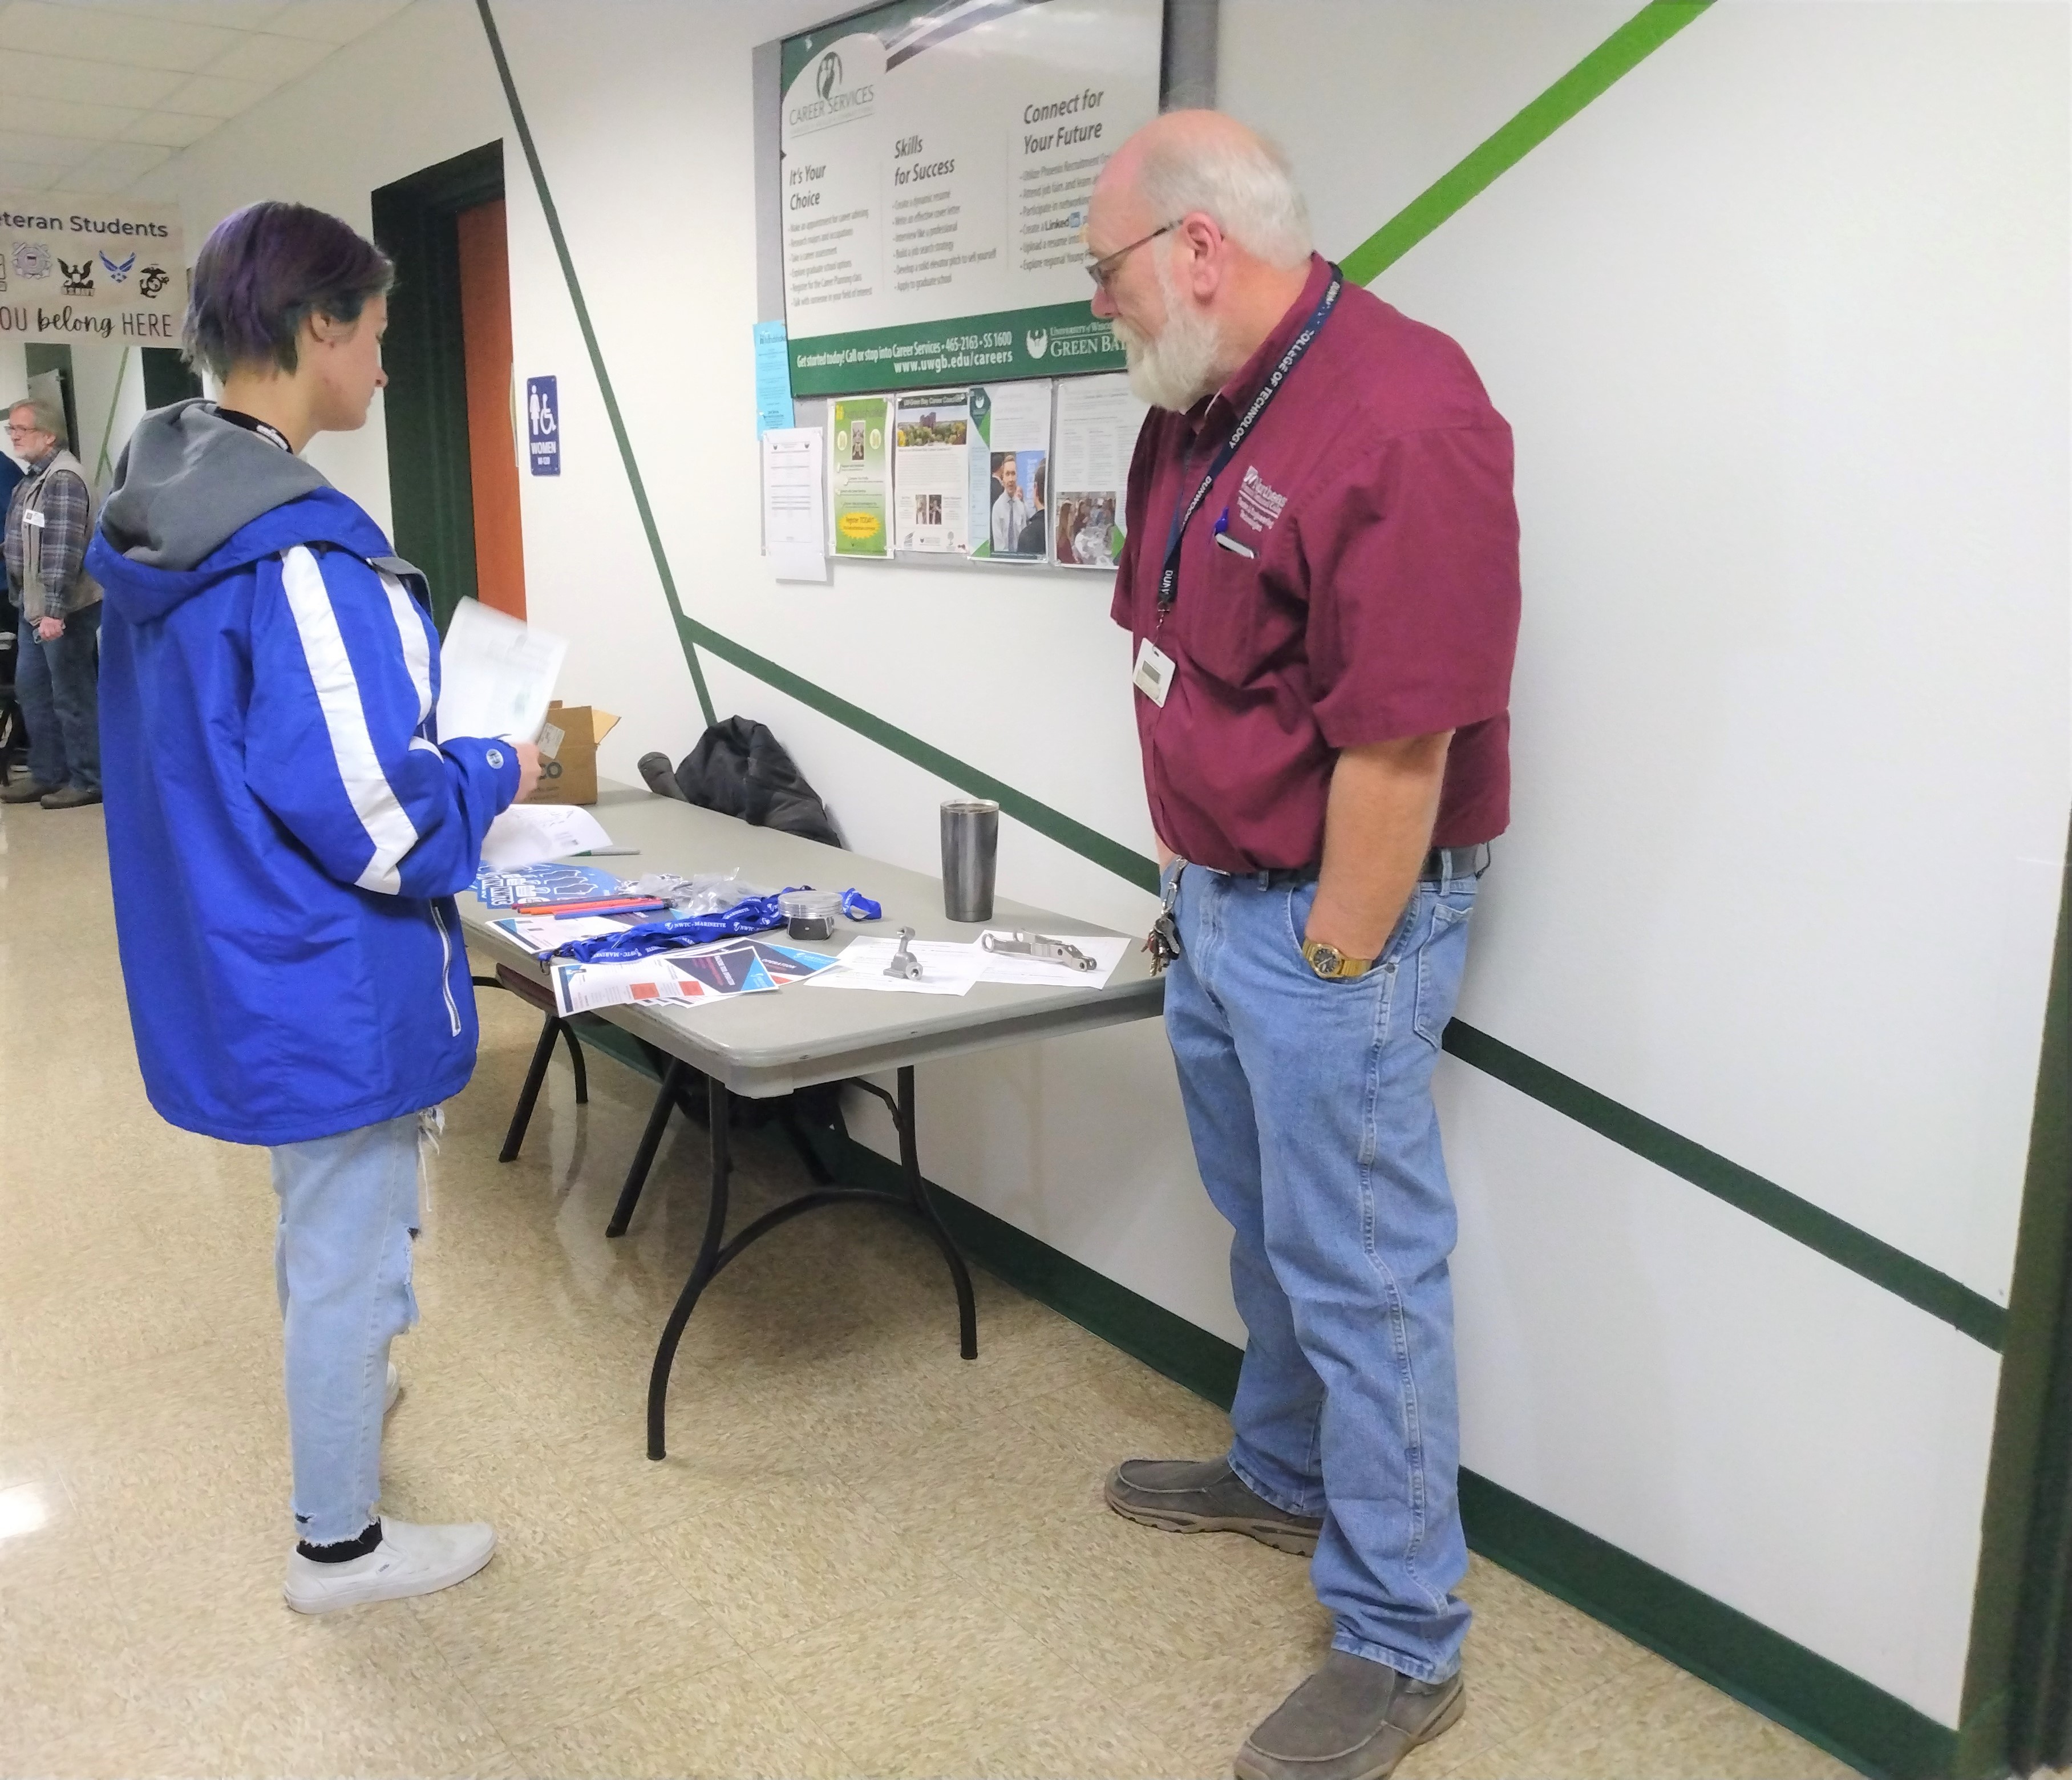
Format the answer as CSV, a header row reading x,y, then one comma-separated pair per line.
x,y
529,769
49,629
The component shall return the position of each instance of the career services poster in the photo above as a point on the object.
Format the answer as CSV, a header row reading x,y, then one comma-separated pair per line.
x,y
931,432
859,474
1098,422
937,157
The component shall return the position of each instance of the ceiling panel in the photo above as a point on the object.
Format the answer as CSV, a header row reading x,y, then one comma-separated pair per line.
x,y
95,93
95,83
96,34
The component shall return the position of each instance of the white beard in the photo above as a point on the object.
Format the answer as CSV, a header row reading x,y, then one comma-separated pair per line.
x,y
1181,362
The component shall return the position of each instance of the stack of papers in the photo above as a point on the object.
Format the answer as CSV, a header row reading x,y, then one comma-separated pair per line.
x,y
545,884
529,834
717,973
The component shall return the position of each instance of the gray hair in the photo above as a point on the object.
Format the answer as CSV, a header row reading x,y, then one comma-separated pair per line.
x,y
42,411
1245,184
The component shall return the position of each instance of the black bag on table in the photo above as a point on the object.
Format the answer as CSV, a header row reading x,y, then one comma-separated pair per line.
x,y
739,768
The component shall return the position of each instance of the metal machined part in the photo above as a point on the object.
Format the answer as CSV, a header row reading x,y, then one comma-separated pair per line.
x,y
1040,946
904,964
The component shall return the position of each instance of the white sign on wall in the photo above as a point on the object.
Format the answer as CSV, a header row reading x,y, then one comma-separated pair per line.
x,y
75,267
937,156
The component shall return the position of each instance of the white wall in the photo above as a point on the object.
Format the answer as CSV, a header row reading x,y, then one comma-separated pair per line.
x,y
1780,324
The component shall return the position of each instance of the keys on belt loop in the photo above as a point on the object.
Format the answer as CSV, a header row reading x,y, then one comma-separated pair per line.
x,y
1163,941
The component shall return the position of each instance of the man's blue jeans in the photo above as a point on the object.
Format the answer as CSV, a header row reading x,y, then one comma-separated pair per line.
x,y
61,700
342,1263
1311,1106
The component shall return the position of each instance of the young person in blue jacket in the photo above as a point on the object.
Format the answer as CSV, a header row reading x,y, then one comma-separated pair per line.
x,y
286,831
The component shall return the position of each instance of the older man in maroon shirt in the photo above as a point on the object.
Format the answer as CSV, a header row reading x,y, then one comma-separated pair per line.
x,y
1321,583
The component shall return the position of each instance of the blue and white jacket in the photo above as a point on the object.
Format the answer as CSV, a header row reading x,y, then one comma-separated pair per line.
x,y
285,830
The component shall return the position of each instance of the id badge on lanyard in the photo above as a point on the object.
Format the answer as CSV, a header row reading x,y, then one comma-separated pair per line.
x,y
1154,671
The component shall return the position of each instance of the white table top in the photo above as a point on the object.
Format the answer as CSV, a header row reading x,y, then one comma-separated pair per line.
x,y
762,1045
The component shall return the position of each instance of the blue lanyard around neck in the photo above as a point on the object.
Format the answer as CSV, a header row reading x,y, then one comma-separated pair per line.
x,y
1169,581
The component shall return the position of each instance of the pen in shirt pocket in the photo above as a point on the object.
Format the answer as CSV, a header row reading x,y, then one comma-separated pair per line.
x,y
1228,542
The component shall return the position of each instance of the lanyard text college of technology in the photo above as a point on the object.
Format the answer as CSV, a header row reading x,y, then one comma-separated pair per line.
x,y
1168,581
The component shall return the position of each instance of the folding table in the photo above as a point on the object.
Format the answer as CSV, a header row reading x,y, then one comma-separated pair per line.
x,y
764,1045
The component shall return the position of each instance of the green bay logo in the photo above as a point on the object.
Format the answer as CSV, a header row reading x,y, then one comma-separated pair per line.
x,y
1037,340
833,105
829,77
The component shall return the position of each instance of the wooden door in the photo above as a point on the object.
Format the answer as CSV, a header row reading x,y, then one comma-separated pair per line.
x,y
492,452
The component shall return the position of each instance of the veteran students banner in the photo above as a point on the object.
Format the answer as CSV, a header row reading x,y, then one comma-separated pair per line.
x,y
75,267
937,156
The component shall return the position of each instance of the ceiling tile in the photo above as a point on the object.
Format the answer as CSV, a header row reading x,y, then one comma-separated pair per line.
x,y
92,34
26,176
66,118
171,128
52,152
228,15
99,82
259,56
211,97
113,167
333,21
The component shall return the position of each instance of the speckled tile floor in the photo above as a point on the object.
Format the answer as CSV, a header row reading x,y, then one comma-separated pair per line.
x,y
863,1556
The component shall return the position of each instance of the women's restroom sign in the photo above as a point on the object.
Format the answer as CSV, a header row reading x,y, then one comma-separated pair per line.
x,y
543,419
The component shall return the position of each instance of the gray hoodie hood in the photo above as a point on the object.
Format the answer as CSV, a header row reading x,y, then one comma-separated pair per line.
x,y
189,480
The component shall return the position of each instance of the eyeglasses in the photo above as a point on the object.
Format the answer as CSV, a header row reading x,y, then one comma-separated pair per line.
x,y
1104,269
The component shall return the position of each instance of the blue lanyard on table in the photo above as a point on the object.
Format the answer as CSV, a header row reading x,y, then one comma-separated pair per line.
x,y
1169,581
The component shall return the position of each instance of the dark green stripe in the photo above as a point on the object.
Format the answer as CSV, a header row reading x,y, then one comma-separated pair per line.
x,y
1110,855
1879,1262
1864,1255
1637,38
596,351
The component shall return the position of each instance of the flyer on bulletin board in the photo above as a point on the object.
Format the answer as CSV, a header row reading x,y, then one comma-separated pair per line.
x,y
930,432
1010,452
1098,421
859,476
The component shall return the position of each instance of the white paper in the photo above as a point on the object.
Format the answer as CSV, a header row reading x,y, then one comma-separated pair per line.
x,y
583,987
948,967
930,486
1106,951
1098,421
541,934
530,834
496,675
795,524
1010,448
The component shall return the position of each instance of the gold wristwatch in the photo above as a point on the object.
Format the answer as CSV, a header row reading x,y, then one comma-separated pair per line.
x,y
1331,963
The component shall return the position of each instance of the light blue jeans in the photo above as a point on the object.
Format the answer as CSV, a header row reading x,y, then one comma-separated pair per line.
x,y
1311,1106
341,1264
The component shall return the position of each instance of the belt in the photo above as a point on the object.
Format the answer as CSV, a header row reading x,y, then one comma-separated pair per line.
x,y
1442,865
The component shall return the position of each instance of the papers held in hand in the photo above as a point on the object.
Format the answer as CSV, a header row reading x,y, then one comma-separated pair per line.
x,y
496,675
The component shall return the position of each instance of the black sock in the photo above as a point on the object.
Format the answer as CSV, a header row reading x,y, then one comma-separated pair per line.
x,y
346,1550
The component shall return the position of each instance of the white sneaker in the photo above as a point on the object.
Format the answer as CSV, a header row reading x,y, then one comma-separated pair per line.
x,y
394,1391
410,1560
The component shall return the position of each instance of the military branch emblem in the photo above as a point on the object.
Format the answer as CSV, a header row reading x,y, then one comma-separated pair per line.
x,y
152,280
117,270
32,259
78,279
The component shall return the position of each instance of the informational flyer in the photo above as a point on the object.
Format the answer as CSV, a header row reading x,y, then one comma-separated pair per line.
x,y
860,476
1010,462
794,527
930,482
938,158
1097,423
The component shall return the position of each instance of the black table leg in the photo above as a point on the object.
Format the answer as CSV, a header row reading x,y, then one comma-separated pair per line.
x,y
701,1273
576,1064
917,1192
535,1074
650,1141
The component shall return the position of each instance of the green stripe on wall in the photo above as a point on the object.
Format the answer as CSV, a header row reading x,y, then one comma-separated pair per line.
x,y
1822,1231
1655,25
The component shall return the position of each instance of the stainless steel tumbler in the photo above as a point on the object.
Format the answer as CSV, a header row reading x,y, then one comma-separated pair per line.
x,y
970,845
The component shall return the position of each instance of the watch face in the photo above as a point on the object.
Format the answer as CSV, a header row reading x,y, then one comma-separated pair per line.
x,y
1326,960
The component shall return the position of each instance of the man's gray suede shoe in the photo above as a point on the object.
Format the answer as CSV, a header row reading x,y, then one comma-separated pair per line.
x,y
1352,1719
26,790
1180,1495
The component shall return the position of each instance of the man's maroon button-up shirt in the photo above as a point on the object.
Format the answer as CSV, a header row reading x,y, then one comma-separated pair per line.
x,y
1382,600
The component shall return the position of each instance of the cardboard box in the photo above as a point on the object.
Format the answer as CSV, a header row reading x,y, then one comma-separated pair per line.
x,y
568,751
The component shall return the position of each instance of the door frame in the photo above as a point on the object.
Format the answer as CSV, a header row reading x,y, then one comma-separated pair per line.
x,y
431,497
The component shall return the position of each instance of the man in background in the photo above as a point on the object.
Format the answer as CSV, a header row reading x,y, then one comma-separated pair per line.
x,y
1032,542
50,516
1010,511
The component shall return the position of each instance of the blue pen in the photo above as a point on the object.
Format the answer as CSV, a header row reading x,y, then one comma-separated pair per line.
x,y
1223,522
